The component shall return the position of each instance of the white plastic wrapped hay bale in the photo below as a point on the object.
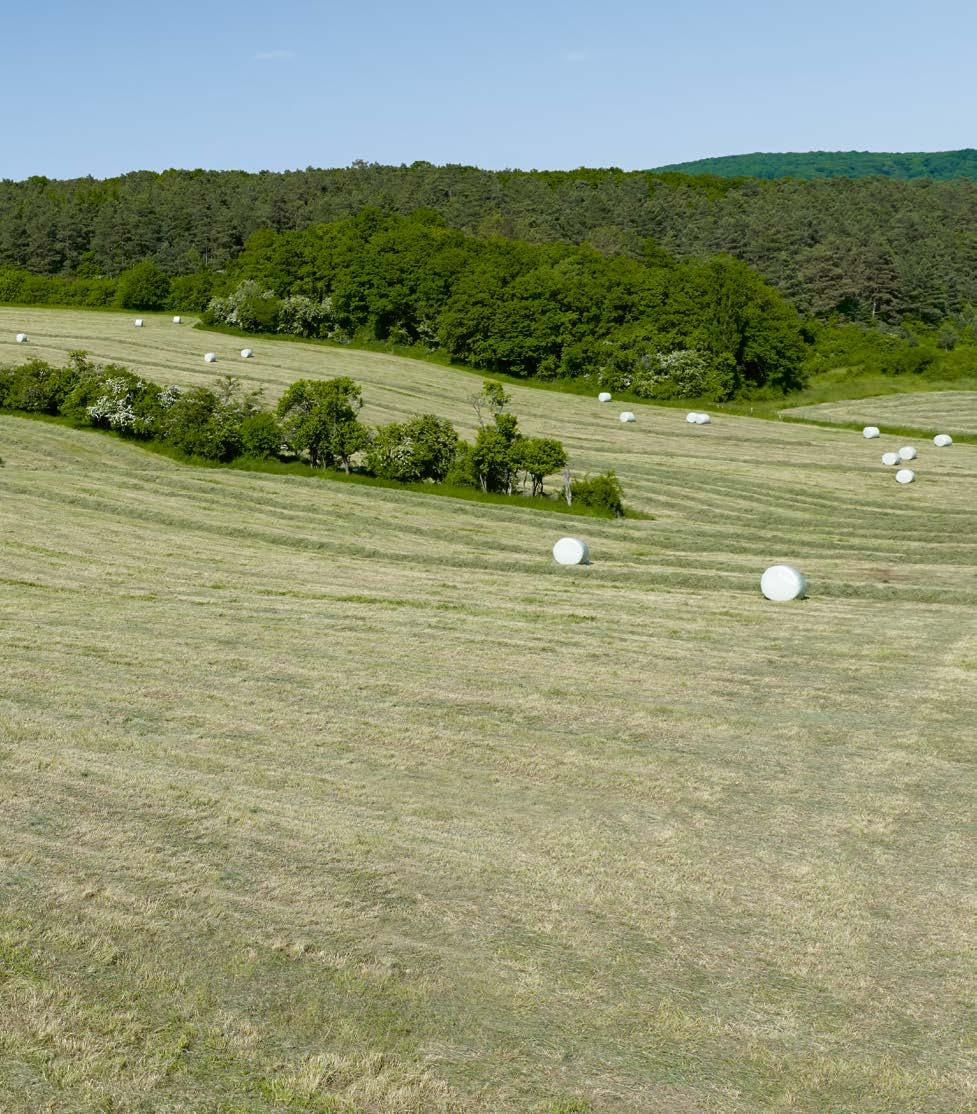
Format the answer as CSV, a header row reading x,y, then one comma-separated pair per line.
x,y
942,440
604,396
890,458
692,417
702,419
627,416
178,320
871,431
138,322
907,452
246,353
21,338
781,583
571,551
905,476
210,358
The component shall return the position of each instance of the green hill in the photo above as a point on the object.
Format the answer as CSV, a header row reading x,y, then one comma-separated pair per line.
x,y
941,165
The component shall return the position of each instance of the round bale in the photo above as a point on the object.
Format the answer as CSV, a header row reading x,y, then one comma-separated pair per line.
x,y
702,419
941,440
138,322
177,320
626,416
604,396
210,358
890,458
783,582
870,431
907,452
21,338
246,353
692,417
571,551
905,476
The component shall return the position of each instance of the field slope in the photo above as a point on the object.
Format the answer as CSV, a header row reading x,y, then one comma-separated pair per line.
x,y
320,798
939,411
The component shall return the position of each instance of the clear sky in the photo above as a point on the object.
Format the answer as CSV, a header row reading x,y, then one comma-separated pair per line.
x,y
101,87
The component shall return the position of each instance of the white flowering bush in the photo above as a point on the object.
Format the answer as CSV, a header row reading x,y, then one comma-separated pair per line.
x,y
304,317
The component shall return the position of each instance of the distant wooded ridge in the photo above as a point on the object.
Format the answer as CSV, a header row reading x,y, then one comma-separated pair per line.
x,y
939,165
866,249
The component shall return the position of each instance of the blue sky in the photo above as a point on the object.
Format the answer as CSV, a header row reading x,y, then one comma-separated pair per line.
x,y
102,87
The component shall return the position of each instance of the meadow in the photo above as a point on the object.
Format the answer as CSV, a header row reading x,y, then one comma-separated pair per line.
x,y
326,798
940,411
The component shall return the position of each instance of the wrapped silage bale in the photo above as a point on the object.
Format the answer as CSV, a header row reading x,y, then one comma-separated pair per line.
x,y
571,551
626,416
604,396
21,338
138,322
871,431
692,417
941,440
178,320
702,419
246,353
890,458
905,476
210,358
781,583
907,452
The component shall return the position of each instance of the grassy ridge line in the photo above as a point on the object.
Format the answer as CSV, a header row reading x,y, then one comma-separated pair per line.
x,y
887,429
550,504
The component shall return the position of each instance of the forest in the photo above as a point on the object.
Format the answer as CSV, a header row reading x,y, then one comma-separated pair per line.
x,y
937,165
869,250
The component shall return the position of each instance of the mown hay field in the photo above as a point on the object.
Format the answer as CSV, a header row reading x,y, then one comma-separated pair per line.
x,y
938,411
325,798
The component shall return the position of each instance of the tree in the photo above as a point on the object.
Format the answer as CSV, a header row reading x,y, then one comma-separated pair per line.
x,y
319,420
538,457
143,286
492,454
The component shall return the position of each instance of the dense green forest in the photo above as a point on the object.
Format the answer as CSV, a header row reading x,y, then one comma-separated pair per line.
x,y
868,250
937,165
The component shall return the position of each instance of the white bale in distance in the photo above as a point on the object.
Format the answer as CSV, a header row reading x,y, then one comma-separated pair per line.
x,y
627,416
890,458
177,320
692,417
905,476
138,322
246,353
907,452
21,338
571,551
210,357
941,440
783,582
604,396
870,431
702,419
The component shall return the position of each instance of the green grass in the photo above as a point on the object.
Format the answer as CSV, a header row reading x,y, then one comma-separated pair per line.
x,y
334,798
950,411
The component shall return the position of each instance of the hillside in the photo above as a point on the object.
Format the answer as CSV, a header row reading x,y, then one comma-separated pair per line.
x,y
868,249
330,799
936,165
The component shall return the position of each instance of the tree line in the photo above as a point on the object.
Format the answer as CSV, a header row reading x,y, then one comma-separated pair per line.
x,y
936,165
315,421
867,249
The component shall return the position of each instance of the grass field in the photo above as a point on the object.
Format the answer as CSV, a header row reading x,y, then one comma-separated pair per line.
x,y
940,412
325,798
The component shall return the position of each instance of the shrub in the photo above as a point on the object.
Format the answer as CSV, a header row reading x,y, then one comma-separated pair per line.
x,y
422,448
249,307
261,436
304,317
37,387
113,397
144,286
603,492
538,457
193,292
318,420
